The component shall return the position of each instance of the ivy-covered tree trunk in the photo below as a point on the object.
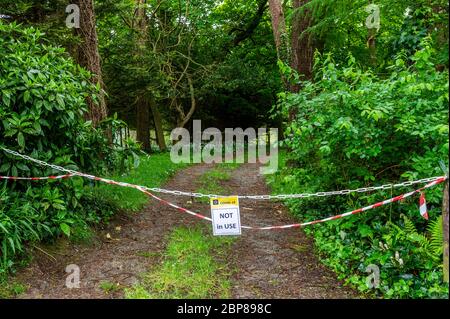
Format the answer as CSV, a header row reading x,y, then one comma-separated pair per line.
x,y
87,55
279,30
302,46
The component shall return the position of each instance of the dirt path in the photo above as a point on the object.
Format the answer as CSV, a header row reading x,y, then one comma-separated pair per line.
x,y
270,264
276,263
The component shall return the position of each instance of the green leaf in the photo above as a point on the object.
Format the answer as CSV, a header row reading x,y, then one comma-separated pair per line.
x,y
5,167
26,96
14,171
60,101
22,167
4,228
11,244
21,140
48,106
365,230
6,99
37,127
65,229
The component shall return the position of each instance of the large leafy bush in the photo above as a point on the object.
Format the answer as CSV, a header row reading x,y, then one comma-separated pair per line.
x,y
42,107
353,129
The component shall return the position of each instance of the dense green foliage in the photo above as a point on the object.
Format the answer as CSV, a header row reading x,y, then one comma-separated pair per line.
x,y
232,82
43,102
354,129
339,27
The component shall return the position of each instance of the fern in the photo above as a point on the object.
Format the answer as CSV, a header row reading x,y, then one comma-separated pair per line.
x,y
409,227
430,243
412,233
436,236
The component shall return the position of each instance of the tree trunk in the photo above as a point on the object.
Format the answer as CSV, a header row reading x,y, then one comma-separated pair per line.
x,y
279,30
143,123
445,230
184,118
371,43
158,126
302,46
143,107
87,55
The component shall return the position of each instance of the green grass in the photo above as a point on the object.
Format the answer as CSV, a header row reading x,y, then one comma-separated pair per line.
x,y
10,289
148,254
109,287
153,171
192,267
211,181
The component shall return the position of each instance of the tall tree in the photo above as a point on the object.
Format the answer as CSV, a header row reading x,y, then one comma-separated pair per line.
x,y
87,55
279,29
157,120
297,52
142,103
302,46
372,25
147,107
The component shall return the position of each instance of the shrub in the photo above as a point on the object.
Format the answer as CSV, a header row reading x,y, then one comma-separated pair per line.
x,y
42,108
353,129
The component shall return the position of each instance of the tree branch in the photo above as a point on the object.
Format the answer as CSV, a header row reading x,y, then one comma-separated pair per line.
x,y
251,27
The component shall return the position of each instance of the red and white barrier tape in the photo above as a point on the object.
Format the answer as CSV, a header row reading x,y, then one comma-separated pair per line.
x,y
360,210
200,195
423,209
423,206
37,178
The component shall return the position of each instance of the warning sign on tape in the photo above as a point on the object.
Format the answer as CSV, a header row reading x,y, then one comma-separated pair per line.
x,y
225,215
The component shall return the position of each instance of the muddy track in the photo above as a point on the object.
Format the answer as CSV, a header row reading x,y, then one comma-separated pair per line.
x,y
269,264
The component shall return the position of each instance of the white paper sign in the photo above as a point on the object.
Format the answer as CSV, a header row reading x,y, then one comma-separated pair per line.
x,y
225,216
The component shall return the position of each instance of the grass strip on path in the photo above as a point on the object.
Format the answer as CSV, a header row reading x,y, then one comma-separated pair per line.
x,y
194,264
211,181
192,267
